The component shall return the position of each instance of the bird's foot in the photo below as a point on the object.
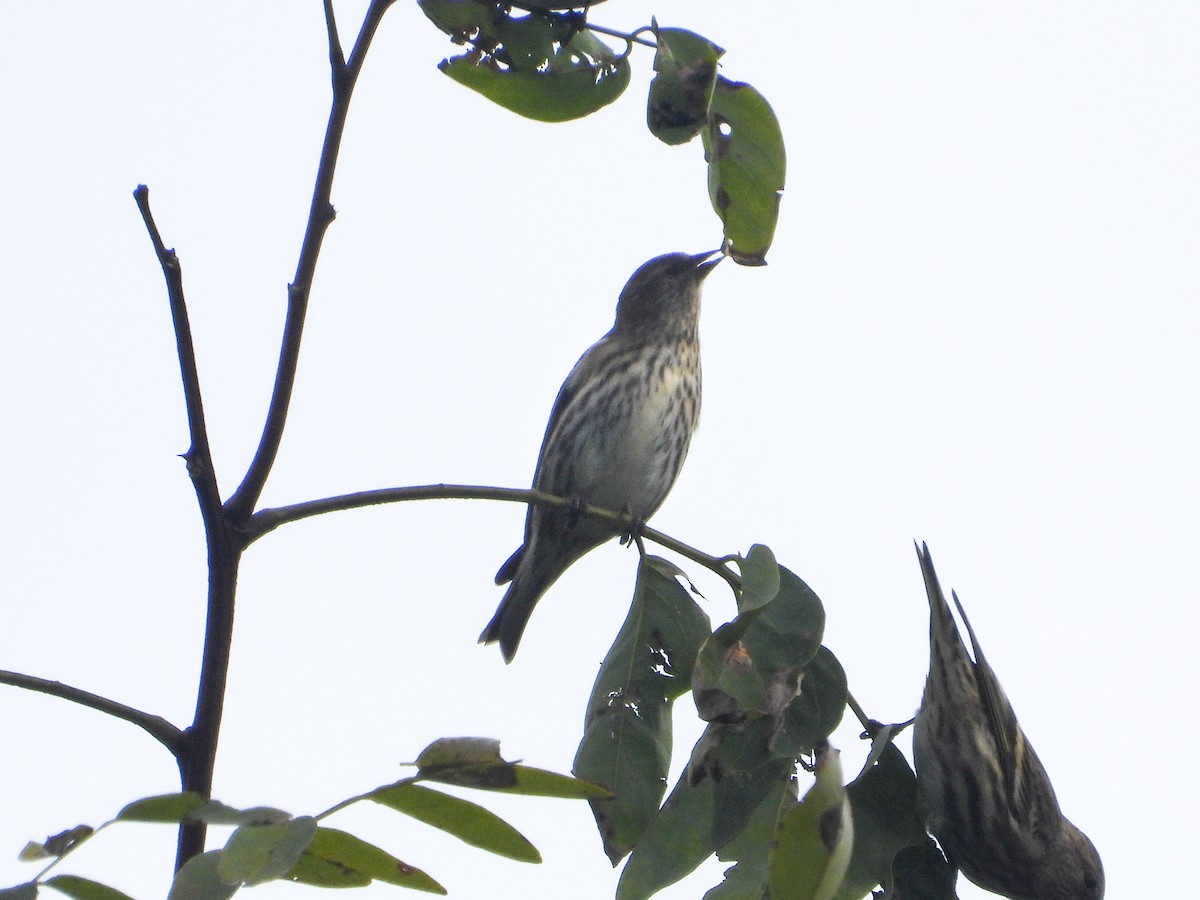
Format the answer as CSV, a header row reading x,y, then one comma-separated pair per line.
x,y
634,536
874,729
634,533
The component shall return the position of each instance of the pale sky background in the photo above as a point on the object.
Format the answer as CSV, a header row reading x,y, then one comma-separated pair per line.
x,y
978,328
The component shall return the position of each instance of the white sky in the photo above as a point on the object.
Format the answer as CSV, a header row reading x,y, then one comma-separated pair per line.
x,y
978,328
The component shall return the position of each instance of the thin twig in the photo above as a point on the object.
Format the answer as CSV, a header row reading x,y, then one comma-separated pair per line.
x,y
858,711
198,456
267,520
156,726
337,59
197,748
633,38
320,216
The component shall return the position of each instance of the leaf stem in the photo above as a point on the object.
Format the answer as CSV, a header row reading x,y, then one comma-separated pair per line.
x,y
632,37
858,711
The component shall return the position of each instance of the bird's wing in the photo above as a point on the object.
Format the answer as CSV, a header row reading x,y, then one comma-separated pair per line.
x,y
996,709
595,357
1030,793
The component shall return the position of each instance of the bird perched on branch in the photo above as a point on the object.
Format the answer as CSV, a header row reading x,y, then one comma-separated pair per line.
x,y
986,796
617,435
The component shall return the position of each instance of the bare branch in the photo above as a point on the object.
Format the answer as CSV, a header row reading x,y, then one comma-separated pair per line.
x,y
224,527
337,59
268,520
198,456
156,726
320,216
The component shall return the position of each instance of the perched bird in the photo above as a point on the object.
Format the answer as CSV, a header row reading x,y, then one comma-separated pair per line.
x,y
986,795
617,435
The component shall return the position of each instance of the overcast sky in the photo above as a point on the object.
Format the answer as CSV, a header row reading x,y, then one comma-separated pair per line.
x,y
978,328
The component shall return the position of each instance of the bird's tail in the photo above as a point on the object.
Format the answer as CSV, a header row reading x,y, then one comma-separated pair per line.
x,y
943,629
532,570
508,624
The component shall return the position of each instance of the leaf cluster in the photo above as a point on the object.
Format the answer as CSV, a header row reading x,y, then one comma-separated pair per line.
x,y
268,844
549,65
771,694
767,688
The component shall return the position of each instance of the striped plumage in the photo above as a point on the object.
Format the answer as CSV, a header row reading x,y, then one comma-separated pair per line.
x,y
618,432
986,796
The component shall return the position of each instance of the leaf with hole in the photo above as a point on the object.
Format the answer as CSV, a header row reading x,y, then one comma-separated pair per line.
x,y
681,92
626,746
747,167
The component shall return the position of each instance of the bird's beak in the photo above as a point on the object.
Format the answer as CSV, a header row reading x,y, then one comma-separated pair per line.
x,y
704,264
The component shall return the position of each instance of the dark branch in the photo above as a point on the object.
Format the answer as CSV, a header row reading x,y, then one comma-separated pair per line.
x,y
337,59
156,726
320,216
198,456
225,530
268,520
195,749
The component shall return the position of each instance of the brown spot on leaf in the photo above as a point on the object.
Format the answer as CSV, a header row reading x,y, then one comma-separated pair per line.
x,y
830,825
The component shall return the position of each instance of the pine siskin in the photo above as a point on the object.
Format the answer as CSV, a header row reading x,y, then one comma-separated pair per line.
x,y
618,432
988,799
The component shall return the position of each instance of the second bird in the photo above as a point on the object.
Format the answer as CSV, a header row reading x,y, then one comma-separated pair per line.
x,y
618,432
986,796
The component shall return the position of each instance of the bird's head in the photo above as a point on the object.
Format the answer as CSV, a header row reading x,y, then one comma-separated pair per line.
x,y
664,293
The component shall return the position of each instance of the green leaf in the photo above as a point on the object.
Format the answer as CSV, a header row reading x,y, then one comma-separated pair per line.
x,y
922,873
883,801
255,854
33,851
26,891
191,807
468,761
752,848
215,813
338,859
477,763
458,18
677,841
541,783
681,92
754,663
198,880
84,888
816,711
729,776
162,808
747,166
551,97
467,821
57,844
455,753
541,66
745,771
626,744
815,839
760,578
